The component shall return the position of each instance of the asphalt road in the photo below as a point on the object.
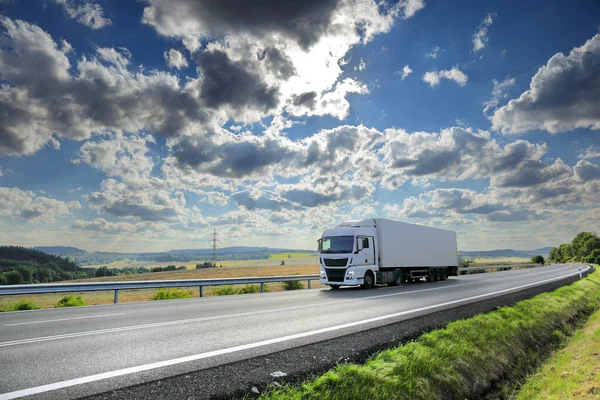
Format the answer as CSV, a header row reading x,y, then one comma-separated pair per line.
x,y
74,352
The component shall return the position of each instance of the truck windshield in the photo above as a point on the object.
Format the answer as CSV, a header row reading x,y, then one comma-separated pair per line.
x,y
337,244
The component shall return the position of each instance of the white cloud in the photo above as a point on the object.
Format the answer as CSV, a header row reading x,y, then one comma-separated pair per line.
x,y
433,78
87,13
362,65
480,38
433,53
410,7
590,153
175,59
498,93
563,95
406,71
17,203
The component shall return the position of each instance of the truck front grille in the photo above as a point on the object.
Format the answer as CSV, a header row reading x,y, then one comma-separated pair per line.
x,y
335,262
335,274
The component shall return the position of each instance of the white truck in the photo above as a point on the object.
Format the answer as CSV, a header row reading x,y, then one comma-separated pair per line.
x,y
381,251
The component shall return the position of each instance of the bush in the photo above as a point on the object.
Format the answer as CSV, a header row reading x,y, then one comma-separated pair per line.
x,y
70,301
537,259
249,289
23,304
174,293
292,285
224,291
13,277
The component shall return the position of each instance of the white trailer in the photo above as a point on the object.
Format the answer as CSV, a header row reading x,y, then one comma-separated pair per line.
x,y
382,251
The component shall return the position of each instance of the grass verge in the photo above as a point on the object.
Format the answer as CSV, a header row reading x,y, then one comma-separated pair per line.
x,y
573,372
468,358
22,304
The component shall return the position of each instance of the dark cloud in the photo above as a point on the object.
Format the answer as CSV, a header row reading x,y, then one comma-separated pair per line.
x,y
233,159
307,99
429,162
266,201
278,63
309,198
513,155
564,95
225,82
302,21
586,171
531,173
510,216
129,207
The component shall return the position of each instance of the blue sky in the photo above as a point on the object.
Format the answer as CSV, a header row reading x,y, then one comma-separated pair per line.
x,y
143,125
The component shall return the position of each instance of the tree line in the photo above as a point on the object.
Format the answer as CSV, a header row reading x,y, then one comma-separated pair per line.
x,y
585,247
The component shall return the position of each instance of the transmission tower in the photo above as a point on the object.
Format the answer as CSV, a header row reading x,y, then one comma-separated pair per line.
x,y
214,243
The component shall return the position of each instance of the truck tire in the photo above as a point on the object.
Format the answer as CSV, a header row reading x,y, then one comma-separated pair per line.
x,y
438,274
444,274
430,275
369,281
397,278
335,287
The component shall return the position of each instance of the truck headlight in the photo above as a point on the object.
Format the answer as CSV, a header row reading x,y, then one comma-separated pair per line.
x,y
350,275
323,274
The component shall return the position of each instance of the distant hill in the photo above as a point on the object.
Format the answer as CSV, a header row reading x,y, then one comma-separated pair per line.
x,y
59,249
544,251
21,265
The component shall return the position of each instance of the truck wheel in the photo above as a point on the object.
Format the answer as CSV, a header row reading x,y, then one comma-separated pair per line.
x,y
438,274
444,274
335,287
397,278
369,281
430,275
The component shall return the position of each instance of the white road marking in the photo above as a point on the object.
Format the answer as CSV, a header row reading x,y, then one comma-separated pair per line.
x,y
195,357
235,315
64,319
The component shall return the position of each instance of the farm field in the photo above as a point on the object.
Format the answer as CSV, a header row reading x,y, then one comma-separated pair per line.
x,y
274,260
49,300
500,260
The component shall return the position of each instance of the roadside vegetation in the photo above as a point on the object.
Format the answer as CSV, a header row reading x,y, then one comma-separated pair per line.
x,y
585,247
23,304
473,358
70,301
573,372
172,293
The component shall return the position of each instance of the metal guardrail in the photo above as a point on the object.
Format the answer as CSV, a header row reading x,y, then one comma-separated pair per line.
x,y
499,267
201,283
116,286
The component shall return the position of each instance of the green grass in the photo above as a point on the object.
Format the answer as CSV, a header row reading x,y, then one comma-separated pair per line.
x,y
70,301
23,304
467,358
172,293
573,372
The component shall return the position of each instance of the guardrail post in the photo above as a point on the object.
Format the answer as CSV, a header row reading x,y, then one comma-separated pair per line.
x,y
201,291
308,283
116,296
262,287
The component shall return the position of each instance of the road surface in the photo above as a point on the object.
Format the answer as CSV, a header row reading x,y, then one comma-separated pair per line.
x,y
72,352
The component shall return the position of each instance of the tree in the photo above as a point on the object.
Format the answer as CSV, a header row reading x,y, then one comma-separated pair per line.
x,y
589,246
537,259
578,244
13,278
566,252
555,255
593,257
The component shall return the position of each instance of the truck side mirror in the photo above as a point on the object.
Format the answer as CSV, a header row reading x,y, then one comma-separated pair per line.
x,y
359,245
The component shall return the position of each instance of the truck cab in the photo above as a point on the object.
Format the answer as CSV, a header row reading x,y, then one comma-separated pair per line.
x,y
347,253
